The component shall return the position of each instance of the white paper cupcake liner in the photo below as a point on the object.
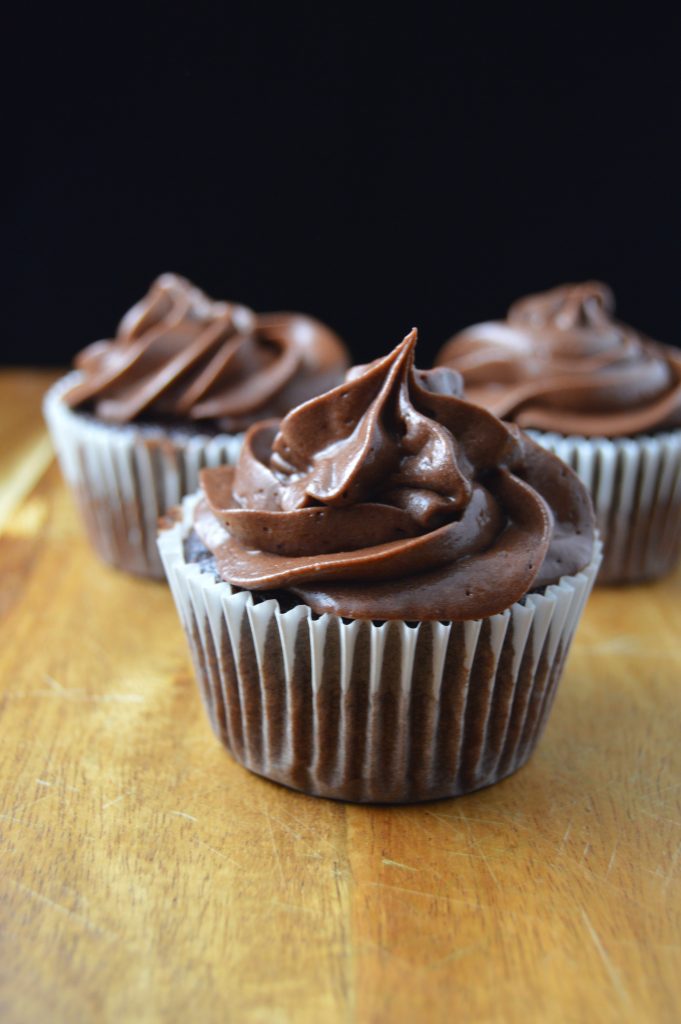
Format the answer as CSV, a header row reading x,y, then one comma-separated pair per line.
x,y
124,477
635,485
386,713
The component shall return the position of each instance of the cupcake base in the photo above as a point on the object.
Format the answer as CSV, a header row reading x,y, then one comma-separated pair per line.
x,y
389,713
124,477
635,485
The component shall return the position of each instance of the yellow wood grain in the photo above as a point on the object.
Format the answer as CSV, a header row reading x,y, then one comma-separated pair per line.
x,y
25,451
146,877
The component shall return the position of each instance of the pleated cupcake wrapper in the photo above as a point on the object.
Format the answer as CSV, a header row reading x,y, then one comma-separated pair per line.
x,y
635,485
125,477
364,712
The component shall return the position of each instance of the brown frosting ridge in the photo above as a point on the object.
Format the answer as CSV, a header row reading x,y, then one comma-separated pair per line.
x,y
390,497
560,361
179,354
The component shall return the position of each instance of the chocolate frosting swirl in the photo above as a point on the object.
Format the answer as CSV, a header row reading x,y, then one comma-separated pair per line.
x,y
178,355
390,497
560,361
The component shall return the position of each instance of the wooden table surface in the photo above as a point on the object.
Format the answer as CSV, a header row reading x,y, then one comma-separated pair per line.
x,y
147,877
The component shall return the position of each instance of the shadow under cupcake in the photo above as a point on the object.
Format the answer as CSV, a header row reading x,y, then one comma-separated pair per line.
x,y
380,596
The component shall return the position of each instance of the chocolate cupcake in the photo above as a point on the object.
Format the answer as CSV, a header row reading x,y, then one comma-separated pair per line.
x,y
171,393
604,398
379,597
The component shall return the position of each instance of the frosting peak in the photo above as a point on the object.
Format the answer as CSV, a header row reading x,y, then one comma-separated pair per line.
x,y
392,497
560,361
179,354
339,448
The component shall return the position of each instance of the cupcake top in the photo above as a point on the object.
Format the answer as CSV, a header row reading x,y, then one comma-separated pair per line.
x,y
560,361
390,497
180,355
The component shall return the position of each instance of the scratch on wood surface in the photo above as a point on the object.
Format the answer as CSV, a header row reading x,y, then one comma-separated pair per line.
x,y
282,824
71,914
621,893
472,838
183,814
424,895
25,804
396,864
116,800
672,866
318,838
456,832
486,862
219,853
296,835
444,819
463,834
607,962
612,859
468,853
429,870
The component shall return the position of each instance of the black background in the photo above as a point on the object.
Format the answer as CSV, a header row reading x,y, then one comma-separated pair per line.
x,y
379,170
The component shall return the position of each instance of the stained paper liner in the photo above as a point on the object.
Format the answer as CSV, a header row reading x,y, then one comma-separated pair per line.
x,y
635,485
388,713
124,477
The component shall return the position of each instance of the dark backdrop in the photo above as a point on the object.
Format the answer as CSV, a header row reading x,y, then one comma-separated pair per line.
x,y
377,171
